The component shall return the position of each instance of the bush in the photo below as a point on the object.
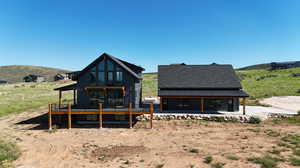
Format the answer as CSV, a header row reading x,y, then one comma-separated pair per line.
x,y
8,152
294,161
298,112
266,161
231,157
254,120
217,165
208,159
194,150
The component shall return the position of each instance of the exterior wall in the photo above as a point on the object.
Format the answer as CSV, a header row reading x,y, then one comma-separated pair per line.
x,y
194,104
131,84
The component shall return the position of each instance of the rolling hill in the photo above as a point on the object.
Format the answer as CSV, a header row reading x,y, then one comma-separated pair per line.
x,y
16,73
255,67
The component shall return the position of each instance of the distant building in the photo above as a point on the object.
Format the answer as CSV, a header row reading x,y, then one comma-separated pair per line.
x,y
3,82
61,76
284,65
34,78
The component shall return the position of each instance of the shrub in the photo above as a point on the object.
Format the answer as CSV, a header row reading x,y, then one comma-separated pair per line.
x,y
231,157
272,133
160,166
208,159
296,152
8,152
254,120
266,161
194,150
294,161
298,112
217,165
275,152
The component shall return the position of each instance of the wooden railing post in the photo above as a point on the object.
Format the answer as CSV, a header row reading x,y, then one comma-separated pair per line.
x,y
202,104
69,116
151,115
244,106
160,104
100,115
50,116
130,115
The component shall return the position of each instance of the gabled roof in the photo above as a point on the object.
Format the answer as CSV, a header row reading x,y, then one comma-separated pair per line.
x,y
204,93
131,68
197,77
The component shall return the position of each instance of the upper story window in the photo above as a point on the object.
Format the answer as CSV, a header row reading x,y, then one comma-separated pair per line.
x,y
110,65
119,74
101,66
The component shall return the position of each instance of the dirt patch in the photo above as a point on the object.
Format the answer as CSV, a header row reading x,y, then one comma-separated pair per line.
x,y
94,152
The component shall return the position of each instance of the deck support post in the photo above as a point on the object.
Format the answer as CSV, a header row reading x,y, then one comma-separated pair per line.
x,y
244,106
69,116
130,115
100,115
50,116
59,101
74,96
151,115
202,104
161,104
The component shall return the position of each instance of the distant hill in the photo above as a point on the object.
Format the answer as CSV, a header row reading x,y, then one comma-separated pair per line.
x,y
16,73
257,66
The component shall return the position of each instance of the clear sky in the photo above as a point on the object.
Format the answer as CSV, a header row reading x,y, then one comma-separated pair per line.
x,y
70,34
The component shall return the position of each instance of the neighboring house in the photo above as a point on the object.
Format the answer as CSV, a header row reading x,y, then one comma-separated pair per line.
x,y
109,81
34,78
3,82
284,65
61,76
201,88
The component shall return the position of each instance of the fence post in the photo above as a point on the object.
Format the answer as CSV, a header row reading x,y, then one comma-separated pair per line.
x,y
50,116
151,115
130,115
69,116
100,115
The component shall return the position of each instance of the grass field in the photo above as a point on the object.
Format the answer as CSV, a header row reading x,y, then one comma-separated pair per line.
x,y
263,83
23,96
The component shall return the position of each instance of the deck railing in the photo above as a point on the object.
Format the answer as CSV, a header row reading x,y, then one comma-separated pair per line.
x,y
66,109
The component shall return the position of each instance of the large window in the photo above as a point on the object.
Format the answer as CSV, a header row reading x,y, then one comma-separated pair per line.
x,y
106,73
96,96
119,74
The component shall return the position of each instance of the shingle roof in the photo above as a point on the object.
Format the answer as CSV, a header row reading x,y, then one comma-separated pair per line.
x,y
208,93
197,76
126,65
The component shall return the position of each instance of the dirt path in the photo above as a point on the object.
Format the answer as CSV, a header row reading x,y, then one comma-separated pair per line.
x,y
174,144
291,103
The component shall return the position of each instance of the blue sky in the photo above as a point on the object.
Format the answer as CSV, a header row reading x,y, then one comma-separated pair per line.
x,y
70,34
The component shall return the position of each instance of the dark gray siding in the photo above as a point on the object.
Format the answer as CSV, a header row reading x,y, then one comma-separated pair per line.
x,y
132,89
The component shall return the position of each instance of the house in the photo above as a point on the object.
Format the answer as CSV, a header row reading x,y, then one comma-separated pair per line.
x,y
284,65
200,88
34,78
108,81
61,76
3,82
